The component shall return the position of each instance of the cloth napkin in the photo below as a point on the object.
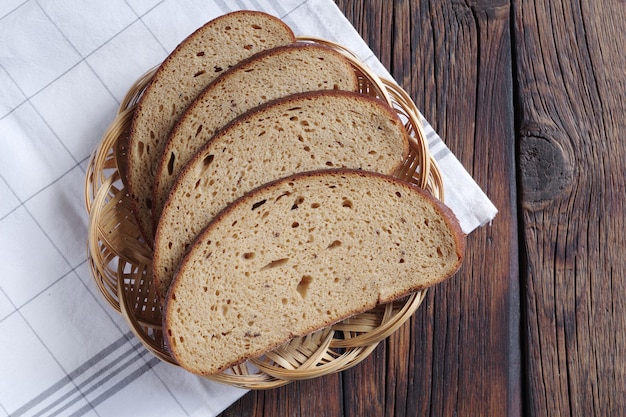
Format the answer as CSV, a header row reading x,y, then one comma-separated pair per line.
x,y
65,65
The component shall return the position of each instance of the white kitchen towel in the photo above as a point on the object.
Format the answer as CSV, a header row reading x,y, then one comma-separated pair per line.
x,y
65,65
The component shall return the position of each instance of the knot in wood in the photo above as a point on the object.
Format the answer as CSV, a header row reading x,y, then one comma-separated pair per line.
x,y
546,171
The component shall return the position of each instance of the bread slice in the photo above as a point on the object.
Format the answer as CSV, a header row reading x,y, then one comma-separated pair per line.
x,y
195,62
266,76
301,132
300,254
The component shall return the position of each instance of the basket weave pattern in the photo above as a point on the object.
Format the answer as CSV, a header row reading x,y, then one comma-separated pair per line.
x,y
121,261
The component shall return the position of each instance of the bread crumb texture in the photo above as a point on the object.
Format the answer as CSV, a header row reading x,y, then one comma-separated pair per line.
x,y
300,254
304,132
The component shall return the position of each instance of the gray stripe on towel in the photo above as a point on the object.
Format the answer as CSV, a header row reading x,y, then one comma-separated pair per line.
x,y
90,377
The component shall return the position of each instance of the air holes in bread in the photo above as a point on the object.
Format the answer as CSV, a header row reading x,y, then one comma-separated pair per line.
x,y
248,255
334,244
258,204
170,164
346,203
207,160
199,73
286,193
303,285
298,201
276,263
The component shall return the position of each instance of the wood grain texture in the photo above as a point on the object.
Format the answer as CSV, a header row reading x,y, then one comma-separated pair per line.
x,y
461,79
572,115
460,353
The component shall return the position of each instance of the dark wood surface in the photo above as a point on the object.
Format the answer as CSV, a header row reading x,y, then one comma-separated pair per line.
x,y
531,97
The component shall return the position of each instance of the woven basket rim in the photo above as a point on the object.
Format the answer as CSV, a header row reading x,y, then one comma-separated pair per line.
x,y
120,261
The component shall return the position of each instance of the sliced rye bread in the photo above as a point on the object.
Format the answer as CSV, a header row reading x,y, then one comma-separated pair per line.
x,y
195,62
300,254
301,132
266,76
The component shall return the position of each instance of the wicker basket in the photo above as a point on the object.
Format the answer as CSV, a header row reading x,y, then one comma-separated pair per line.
x,y
120,260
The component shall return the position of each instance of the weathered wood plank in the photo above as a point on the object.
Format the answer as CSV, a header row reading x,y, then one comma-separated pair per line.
x,y
572,95
461,79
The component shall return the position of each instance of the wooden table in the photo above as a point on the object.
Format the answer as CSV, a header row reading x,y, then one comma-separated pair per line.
x,y
531,97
